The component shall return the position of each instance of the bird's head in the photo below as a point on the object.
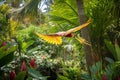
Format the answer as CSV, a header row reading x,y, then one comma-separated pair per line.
x,y
70,35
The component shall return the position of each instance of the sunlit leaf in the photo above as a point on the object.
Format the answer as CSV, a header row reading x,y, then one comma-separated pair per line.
x,y
25,45
65,11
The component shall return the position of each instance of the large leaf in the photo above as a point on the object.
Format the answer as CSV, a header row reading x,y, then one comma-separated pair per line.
x,y
25,45
59,18
95,70
65,11
6,54
21,75
96,67
5,51
111,48
109,60
6,59
35,74
29,52
117,48
85,77
109,71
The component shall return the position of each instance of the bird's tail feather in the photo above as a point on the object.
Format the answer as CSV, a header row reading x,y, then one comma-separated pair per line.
x,y
82,40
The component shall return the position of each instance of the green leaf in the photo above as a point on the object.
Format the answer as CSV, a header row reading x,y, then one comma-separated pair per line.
x,y
32,50
117,48
35,74
64,11
59,18
109,71
31,9
85,77
6,59
6,55
3,51
29,78
21,75
109,60
111,48
25,45
60,77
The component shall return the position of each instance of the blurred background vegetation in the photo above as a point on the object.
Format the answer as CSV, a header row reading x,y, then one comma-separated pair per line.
x,y
24,56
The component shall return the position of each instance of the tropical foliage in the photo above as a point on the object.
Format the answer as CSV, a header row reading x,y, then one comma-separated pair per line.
x,y
25,54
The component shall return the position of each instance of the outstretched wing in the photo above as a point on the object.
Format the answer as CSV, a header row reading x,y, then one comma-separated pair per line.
x,y
78,28
53,39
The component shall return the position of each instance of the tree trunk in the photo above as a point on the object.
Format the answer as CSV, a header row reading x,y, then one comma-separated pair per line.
x,y
85,34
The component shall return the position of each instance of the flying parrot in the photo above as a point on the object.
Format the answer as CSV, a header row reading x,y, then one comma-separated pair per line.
x,y
56,38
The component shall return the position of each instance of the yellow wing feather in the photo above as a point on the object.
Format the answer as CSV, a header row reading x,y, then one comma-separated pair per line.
x,y
53,39
78,28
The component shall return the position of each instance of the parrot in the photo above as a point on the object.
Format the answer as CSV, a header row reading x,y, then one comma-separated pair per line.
x,y
56,38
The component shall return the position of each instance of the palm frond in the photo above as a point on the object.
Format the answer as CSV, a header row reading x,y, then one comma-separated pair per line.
x,y
59,18
71,8
67,3
65,10
31,9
